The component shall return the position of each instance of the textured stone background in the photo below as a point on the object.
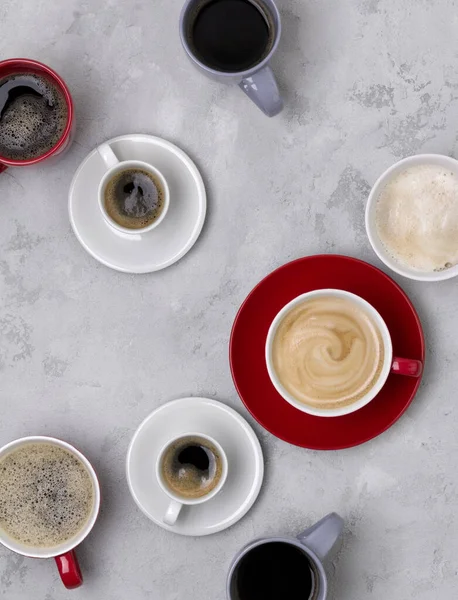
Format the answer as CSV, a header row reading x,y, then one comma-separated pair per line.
x,y
86,353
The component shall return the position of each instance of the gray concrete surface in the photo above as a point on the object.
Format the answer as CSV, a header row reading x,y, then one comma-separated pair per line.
x,y
86,353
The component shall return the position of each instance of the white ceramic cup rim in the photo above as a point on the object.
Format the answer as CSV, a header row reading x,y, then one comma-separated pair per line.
x,y
387,361
132,164
177,497
54,551
377,245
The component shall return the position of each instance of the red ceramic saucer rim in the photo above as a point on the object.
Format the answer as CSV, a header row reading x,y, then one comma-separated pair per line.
x,y
364,438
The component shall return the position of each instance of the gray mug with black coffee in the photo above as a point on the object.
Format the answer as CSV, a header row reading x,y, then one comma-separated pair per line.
x,y
233,41
288,568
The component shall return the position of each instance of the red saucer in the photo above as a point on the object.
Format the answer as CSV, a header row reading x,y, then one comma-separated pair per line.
x,y
248,339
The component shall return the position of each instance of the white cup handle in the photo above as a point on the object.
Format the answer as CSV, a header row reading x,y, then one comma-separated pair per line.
x,y
172,513
108,156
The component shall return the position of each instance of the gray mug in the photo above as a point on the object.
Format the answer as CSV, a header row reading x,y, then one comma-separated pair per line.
x,y
258,82
316,542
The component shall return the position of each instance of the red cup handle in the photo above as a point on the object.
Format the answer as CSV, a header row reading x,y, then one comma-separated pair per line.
x,y
69,570
407,366
2,167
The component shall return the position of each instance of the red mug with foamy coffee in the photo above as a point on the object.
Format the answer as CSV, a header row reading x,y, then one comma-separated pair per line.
x,y
36,113
49,501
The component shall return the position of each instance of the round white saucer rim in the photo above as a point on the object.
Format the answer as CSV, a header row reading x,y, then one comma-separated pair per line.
x,y
200,189
248,499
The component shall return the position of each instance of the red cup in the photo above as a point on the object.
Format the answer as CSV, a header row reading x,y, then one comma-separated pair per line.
x,y
64,553
25,65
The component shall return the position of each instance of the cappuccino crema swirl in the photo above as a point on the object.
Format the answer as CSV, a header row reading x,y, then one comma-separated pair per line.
x,y
327,352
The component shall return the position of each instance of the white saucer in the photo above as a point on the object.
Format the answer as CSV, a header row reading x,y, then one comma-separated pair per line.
x,y
155,249
245,462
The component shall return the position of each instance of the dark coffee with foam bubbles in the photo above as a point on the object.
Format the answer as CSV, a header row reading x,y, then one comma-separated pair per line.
x,y
134,198
192,467
46,495
33,116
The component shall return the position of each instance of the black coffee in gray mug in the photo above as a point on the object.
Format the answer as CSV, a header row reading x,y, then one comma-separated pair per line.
x,y
230,35
275,571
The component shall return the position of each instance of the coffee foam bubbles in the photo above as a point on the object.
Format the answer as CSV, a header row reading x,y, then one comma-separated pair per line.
x,y
31,124
187,479
46,495
327,352
417,218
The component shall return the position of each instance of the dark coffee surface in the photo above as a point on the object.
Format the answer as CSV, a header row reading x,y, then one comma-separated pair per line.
x,y
230,35
274,571
46,494
33,116
192,467
134,198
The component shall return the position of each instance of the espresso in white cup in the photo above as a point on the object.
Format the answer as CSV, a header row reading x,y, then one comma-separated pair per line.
x,y
133,195
191,469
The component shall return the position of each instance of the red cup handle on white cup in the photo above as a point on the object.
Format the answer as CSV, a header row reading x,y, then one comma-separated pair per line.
x,y
407,366
69,570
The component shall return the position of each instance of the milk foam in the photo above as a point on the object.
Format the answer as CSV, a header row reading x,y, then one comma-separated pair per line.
x,y
46,495
327,352
417,218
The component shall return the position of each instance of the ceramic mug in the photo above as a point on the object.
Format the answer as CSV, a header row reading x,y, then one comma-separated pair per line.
x,y
258,82
25,65
448,163
176,501
401,366
64,553
114,166
316,542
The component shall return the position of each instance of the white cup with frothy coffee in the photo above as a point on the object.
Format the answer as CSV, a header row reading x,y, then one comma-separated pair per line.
x,y
133,195
329,352
412,217
49,501
191,469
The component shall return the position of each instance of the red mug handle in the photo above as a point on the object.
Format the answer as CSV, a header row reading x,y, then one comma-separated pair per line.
x,y
2,167
407,366
69,570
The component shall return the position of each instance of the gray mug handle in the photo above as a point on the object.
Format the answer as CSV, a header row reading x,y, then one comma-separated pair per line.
x,y
322,536
262,88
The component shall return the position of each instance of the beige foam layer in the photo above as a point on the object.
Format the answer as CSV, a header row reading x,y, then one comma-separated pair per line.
x,y
417,217
327,352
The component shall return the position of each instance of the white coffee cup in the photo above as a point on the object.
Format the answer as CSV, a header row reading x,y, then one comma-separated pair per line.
x,y
63,554
402,366
177,501
411,161
114,166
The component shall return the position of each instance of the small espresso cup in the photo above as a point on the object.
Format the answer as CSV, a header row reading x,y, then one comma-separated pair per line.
x,y
64,553
115,166
391,364
13,66
258,81
177,501
315,544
